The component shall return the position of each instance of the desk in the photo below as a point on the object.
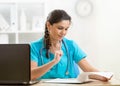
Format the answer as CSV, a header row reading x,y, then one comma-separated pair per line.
x,y
111,82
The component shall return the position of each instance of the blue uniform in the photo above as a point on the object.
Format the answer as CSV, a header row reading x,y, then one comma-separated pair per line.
x,y
38,55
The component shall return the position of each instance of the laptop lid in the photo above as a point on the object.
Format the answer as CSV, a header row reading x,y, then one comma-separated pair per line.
x,y
14,63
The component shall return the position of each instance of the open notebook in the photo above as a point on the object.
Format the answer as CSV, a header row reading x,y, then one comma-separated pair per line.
x,y
82,78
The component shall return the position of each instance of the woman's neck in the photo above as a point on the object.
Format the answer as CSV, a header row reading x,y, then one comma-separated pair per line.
x,y
55,42
55,45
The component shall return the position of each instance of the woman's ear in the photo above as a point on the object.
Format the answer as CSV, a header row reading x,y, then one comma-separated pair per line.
x,y
48,25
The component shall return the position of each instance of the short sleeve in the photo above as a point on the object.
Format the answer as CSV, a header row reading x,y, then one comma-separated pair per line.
x,y
79,54
33,53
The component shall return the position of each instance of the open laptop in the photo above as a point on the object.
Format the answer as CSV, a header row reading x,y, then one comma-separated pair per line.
x,y
15,64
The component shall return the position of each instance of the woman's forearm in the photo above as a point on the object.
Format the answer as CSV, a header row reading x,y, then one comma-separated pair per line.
x,y
37,72
86,67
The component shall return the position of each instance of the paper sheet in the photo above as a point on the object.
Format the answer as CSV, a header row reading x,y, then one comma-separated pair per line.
x,y
66,81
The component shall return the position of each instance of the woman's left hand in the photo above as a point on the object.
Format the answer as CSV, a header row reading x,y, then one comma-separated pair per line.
x,y
98,77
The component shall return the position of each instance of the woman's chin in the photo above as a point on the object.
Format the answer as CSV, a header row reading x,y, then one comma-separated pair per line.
x,y
60,39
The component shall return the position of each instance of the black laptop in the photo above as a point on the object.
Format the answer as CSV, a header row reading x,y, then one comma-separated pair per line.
x,y
15,64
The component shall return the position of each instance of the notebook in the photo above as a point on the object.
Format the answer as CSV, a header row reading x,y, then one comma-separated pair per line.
x,y
15,64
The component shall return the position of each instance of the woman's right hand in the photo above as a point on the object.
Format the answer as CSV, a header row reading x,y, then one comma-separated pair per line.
x,y
57,56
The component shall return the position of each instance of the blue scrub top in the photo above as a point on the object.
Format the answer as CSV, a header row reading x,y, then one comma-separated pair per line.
x,y
38,55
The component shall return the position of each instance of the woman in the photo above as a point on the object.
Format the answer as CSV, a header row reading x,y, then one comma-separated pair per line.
x,y
54,56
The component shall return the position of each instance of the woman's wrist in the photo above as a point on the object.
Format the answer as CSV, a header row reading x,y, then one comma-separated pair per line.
x,y
54,61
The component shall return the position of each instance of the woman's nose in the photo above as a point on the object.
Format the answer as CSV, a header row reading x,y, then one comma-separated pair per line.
x,y
63,32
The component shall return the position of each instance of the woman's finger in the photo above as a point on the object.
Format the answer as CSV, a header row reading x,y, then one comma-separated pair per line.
x,y
58,55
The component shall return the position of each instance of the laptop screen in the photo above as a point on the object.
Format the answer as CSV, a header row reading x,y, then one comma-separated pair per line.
x,y
14,63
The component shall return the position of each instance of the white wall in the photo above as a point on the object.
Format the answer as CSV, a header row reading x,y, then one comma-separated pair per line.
x,y
108,29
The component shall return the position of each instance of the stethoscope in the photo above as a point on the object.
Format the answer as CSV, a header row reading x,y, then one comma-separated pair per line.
x,y
68,56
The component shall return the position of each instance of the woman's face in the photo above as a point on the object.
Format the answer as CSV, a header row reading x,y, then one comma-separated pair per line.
x,y
58,30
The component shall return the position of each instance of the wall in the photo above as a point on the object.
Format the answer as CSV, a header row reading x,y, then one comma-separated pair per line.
x,y
108,28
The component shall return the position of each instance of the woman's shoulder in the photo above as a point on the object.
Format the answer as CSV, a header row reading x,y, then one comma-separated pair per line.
x,y
69,41
37,42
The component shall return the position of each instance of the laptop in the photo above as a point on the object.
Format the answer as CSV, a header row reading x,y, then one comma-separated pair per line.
x,y
15,64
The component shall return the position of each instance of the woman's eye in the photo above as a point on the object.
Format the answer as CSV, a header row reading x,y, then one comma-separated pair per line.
x,y
66,29
60,28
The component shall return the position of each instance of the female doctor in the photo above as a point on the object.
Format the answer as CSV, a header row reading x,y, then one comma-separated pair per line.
x,y
54,56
